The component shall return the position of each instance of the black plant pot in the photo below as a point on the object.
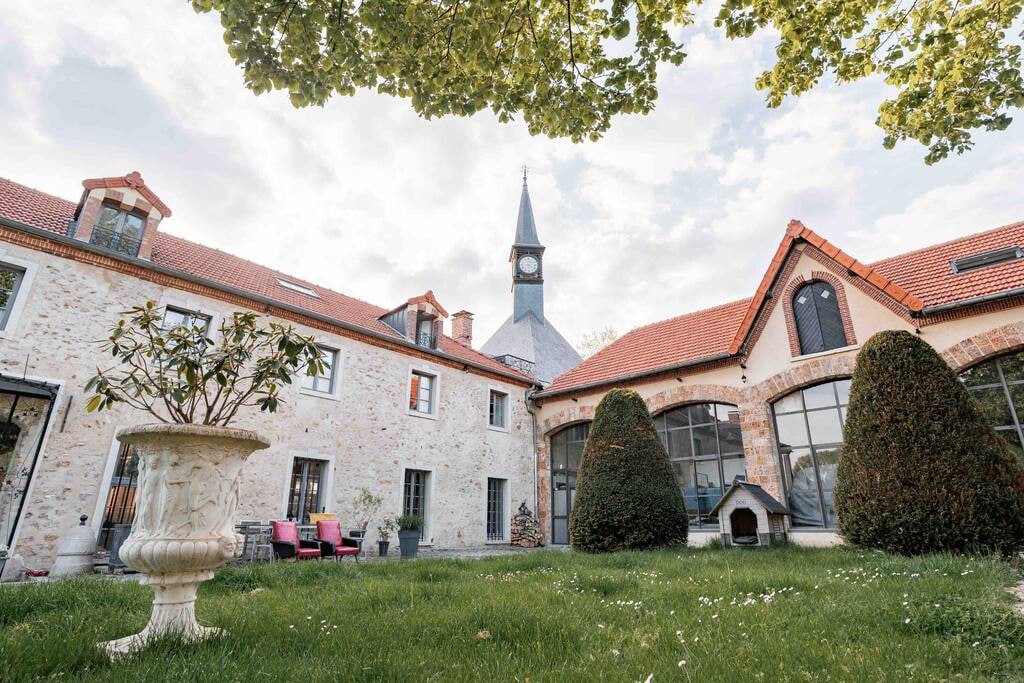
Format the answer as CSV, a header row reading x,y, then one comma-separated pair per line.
x,y
382,548
409,543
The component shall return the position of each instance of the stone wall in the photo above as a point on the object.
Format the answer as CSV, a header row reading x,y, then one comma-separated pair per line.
x,y
364,430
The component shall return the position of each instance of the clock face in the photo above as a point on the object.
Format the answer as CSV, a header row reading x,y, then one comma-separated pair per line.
x,y
529,265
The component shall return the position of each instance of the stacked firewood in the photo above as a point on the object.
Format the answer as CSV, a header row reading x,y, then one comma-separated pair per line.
x,y
526,529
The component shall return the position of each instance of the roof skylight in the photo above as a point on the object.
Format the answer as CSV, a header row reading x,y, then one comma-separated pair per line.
x,y
987,258
296,287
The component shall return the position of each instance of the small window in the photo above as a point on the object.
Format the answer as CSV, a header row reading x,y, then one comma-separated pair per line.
x,y
421,393
496,509
415,497
10,281
324,382
180,317
118,230
498,416
819,324
987,258
425,332
296,287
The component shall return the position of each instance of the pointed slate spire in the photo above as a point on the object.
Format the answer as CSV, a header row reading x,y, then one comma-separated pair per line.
x,y
526,229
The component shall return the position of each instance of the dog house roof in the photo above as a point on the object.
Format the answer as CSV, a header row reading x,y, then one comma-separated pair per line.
x,y
763,497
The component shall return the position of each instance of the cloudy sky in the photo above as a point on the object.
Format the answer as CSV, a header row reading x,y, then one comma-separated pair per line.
x,y
672,212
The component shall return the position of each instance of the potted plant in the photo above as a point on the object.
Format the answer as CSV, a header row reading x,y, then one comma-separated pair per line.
x,y
364,508
409,530
190,461
384,531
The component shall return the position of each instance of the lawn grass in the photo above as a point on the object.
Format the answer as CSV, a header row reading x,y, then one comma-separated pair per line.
x,y
778,614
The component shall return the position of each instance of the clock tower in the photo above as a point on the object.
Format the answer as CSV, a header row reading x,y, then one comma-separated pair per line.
x,y
527,341
527,258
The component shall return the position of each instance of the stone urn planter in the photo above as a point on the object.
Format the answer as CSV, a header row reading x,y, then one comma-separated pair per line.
x,y
184,521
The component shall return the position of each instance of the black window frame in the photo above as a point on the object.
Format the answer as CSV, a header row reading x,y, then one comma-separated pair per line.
x,y
813,448
116,238
1007,387
416,497
307,478
702,519
12,293
496,515
563,477
190,315
819,326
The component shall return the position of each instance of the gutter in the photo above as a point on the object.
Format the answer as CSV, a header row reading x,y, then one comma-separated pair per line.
x,y
267,301
635,375
531,408
973,301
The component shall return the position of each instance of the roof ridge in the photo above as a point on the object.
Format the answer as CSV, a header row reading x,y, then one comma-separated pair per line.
x,y
919,250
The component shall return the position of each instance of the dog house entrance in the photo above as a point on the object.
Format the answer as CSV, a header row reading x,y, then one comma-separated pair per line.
x,y
744,526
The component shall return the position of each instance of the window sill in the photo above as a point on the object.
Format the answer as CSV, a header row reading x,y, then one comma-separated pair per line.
x,y
416,413
319,394
830,352
501,542
503,430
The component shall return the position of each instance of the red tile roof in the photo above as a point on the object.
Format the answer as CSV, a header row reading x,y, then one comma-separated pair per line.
x,y
41,210
916,280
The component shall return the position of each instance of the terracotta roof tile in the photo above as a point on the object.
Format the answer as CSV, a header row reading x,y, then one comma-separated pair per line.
x,y
917,279
41,210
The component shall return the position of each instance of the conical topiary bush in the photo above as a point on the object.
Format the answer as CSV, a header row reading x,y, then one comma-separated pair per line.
x,y
921,470
626,495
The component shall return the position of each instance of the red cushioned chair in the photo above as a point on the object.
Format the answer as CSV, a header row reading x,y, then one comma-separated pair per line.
x,y
332,543
284,537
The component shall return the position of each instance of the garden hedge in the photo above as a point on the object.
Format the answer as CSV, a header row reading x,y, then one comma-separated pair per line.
x,y
626,494
921,470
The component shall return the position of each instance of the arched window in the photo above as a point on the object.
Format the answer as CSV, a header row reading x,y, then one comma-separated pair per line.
x,y
819,324
566,453
705,446
809,431
998,386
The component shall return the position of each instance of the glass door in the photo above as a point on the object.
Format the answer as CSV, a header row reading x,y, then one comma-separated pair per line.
x,y
304,492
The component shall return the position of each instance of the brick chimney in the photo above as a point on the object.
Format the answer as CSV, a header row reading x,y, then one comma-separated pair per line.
x,y
462,328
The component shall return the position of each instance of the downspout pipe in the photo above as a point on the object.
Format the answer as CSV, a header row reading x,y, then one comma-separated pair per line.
x,y
531,408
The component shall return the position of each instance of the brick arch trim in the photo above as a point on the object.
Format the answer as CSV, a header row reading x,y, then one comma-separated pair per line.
x,y
787,307
693,393
565,418
985,345
808,373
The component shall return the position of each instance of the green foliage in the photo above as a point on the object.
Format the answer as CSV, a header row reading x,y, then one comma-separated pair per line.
x,y
182,375
921,470
365,506
569,67
626,494
387,527
409,522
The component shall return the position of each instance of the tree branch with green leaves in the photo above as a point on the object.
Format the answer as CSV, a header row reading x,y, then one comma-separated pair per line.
x,y
182,375
568,67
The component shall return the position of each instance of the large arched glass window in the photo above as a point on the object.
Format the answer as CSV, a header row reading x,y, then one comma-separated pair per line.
x,y
809,431
819,324
566,453
998,386
705,447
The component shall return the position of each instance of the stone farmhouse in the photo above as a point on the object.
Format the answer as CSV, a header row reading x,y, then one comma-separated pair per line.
x,y
755,388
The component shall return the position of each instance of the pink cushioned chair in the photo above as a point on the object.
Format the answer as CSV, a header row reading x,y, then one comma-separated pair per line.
x,y
285,539
332,543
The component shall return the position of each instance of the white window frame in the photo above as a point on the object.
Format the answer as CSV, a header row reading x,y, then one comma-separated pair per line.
x,y
196,307
495,389
28,268
506,504
296,287
335,393
327,493
435,395
428,526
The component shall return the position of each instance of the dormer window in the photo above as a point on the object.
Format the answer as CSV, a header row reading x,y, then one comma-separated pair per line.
x,y
425,331
118,230
296,287
987,258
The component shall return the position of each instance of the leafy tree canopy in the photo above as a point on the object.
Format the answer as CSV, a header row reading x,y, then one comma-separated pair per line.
x,y
569,66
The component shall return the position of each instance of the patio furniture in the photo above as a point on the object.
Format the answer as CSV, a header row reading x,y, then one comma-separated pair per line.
x,y
333,544
286,542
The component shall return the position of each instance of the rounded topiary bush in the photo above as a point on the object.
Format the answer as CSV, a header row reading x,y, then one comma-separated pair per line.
x,y
921,470
626,494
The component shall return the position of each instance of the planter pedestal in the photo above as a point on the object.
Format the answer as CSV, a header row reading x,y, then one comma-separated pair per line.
x,y
187,497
